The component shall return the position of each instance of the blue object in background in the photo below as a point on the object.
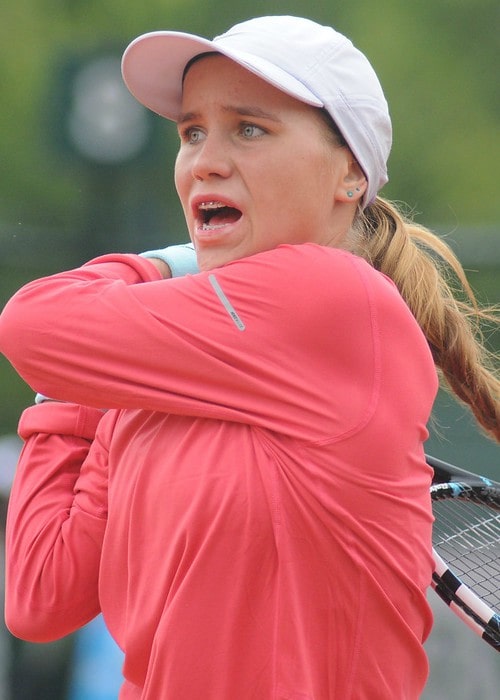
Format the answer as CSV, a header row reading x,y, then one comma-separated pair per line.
x,y
97,662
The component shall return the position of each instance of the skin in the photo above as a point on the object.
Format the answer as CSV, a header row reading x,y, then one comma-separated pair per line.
x,y
267,156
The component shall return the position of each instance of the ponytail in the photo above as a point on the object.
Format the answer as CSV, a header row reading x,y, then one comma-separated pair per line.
x,y
433,284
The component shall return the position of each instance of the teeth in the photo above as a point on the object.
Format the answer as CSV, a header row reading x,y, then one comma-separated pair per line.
x,y
208,227
211,205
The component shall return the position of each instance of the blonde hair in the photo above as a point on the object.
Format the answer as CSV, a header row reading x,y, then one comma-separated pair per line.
x,y
434,286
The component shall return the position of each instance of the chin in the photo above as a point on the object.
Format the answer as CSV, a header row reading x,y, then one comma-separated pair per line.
x,y
212,259
211,262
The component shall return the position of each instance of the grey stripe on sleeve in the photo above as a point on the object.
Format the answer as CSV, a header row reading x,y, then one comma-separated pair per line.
x,y
226,303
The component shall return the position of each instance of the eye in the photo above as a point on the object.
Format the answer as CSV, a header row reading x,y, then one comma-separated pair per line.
x,y
192,135
251,131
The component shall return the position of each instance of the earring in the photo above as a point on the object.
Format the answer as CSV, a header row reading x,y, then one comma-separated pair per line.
x,y
350,193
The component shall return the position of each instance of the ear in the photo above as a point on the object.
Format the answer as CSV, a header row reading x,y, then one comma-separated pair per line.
x,y
354,183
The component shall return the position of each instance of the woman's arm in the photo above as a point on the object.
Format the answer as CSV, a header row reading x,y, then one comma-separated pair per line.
x,y
55,524
269,340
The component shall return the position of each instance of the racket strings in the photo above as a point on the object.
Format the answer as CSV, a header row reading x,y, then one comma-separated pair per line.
x,y
467,535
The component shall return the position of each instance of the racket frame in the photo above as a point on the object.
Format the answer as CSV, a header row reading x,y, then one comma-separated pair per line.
x,y
451,482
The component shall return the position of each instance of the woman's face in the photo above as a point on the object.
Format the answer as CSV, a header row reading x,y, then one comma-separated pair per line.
x,y
256,167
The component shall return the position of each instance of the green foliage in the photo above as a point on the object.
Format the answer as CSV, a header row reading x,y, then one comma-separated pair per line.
x,y
436,59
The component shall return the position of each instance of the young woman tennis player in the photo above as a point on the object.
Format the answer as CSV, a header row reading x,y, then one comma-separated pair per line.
x,y
231,467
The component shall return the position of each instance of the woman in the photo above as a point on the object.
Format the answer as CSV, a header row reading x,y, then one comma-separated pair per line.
x,y
233,468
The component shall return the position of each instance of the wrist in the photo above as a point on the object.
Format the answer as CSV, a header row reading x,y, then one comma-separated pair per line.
x,y
175,260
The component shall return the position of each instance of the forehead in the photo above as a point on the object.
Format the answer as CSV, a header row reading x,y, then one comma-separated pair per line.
x,y
215,76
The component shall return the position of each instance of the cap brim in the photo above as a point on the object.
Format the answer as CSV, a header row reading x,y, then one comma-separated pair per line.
x,y
153,66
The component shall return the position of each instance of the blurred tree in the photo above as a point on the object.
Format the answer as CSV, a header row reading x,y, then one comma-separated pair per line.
x,y
436,61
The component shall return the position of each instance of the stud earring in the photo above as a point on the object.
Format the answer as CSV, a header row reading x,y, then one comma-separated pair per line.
x,y
350,193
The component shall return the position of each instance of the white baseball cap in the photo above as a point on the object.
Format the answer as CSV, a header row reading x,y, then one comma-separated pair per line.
x,y
311,62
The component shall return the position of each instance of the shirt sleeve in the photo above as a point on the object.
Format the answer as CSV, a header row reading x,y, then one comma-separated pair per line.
x,y
272,340
55,524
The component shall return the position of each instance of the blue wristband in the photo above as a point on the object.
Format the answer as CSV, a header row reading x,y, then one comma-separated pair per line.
x,y
181,259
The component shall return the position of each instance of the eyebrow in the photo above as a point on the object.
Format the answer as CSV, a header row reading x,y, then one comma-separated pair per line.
x,y
244,111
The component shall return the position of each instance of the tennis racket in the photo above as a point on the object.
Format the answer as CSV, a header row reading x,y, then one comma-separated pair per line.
x,y
466,547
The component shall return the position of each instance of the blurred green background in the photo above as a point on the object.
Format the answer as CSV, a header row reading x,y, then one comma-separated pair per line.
x,y
61,202
84,171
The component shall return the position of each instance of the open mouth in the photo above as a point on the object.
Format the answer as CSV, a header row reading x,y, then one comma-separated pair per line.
x,y
216,214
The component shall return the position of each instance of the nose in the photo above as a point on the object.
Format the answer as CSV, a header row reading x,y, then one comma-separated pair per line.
x,y
212,159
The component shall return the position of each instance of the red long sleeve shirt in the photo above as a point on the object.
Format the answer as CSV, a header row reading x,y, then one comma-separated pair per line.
x,y
251,513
